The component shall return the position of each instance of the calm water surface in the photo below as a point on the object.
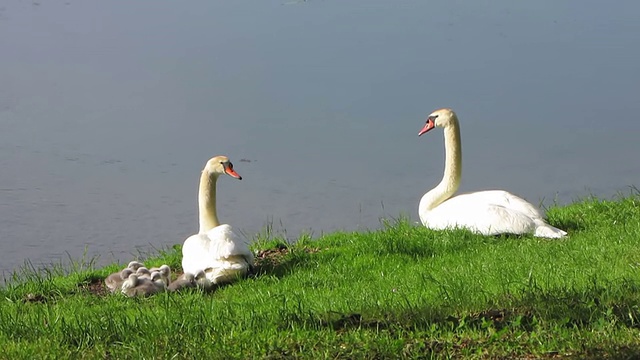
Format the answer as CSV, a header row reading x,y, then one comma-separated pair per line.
x,y
109,110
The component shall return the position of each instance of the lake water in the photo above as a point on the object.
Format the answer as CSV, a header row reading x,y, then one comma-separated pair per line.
x,y
109,110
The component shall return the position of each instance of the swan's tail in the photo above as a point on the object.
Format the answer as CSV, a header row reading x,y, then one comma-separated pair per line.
x,y
228,271
545,230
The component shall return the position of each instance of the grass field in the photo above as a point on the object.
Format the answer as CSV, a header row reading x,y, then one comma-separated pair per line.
x,y
399,292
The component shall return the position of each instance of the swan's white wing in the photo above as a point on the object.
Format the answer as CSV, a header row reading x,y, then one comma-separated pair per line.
x,y
501,198
195,252
476,214
225,243
514,205
227,270
219,247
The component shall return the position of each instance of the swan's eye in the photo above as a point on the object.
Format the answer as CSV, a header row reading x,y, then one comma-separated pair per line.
x,y
432,117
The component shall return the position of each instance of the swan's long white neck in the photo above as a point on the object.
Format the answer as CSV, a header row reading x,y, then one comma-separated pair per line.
x,y
207,202
452,170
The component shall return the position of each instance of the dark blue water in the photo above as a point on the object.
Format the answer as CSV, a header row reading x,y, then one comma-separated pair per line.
x,y
109,110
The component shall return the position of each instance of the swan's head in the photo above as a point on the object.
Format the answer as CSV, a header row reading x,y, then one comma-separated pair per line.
x,y
439,118
221,165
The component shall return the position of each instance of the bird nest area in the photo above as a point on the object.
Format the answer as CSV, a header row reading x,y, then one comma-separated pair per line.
x,y
96,287
275,255
271,256
268,261
265,261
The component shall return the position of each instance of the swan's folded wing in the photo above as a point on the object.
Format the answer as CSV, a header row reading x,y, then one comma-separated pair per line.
x,y
486,219
195,252
503,220
226,243
227,270
500,198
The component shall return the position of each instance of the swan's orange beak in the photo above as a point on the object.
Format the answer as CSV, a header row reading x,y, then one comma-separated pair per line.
x,y
428,126
234,174
228,169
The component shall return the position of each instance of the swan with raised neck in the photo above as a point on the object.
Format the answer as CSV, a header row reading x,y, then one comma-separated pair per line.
x,y
215,248
450,182
489,212
207,214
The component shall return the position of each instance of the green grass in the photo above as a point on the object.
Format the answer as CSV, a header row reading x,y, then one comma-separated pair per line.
x,y
402,291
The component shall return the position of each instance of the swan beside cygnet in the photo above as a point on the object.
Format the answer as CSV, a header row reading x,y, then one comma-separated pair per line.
x,y
184,281
203,282
484,212
216,249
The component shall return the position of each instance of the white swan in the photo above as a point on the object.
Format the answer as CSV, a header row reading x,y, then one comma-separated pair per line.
x,y
216,249
485,212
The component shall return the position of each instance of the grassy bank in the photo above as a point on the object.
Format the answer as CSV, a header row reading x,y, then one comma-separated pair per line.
x,y
403,291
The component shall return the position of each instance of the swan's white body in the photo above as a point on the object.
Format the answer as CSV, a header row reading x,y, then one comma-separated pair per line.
x,y
485,212
216,250
219,252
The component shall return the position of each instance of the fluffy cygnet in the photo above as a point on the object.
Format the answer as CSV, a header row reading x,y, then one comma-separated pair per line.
x,y
184,281
115,280
165,272
136,286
